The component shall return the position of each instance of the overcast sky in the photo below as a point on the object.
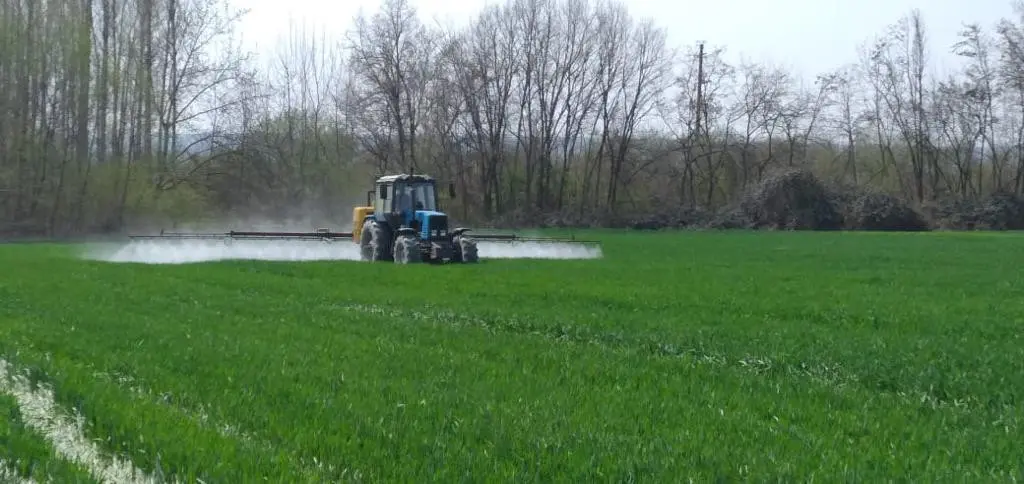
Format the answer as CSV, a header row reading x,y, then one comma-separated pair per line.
x,y
810,36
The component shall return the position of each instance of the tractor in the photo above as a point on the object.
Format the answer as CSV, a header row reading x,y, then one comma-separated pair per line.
x,y
401,223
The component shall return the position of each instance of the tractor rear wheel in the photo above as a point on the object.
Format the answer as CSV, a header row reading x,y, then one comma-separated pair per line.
x,y
456,249
380,243
366,242
468,251
407,251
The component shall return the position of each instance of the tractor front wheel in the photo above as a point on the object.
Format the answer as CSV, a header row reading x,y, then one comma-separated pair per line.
x,y
407,251
467,250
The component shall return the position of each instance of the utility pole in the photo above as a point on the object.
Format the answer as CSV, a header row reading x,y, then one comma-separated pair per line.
x,y
700,86
701,129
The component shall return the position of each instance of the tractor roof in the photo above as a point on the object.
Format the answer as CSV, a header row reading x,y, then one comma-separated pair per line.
x,y
405,178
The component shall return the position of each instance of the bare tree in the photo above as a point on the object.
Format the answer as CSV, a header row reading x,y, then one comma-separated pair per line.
x,y
897,64
484,68
697,115
848,117
644,76
980,93
799,116
759,104
1011,79
392,55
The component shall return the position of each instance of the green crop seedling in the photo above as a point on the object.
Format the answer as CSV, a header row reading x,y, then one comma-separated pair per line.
x,y
712,356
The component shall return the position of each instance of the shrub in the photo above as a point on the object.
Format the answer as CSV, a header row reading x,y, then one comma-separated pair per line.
x,y
999,211
792,199
881,211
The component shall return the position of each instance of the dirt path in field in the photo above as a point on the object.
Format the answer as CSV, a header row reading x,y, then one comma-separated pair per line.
x,y
186,251
64,433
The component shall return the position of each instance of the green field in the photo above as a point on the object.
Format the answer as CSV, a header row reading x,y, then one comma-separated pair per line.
x,y
712,356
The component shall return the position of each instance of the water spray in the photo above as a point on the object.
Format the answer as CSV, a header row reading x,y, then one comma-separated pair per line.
x,y
194,250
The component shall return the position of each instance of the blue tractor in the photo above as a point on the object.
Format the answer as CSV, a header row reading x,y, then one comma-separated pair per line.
x,y
401,222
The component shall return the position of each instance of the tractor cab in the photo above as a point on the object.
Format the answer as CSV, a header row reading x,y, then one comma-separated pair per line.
x,y
410,201
405,194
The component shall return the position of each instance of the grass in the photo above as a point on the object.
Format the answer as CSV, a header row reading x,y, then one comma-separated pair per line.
x,y
716,356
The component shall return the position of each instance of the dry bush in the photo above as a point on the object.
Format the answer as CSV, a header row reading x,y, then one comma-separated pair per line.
x,y
999,211
881,211
1002,211
792,199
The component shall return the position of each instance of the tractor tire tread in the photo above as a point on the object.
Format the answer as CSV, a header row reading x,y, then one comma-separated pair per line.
x,y
366,243
407,251
468,251
380,243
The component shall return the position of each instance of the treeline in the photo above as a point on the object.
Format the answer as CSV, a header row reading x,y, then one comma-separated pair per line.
x,y
115,113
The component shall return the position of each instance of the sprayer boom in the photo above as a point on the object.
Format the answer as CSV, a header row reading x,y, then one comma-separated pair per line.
x,y
234,234
517,238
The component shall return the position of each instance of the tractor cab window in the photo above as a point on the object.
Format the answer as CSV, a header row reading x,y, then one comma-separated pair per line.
x,y
415,197
383,204
423,197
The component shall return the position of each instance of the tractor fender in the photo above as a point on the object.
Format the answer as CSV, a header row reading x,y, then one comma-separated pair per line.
x,y
459,231
406,231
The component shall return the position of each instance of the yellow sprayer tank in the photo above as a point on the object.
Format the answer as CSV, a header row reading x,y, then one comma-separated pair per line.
x,y
358,215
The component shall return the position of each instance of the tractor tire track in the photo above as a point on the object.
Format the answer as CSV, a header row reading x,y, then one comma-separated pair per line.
x,y
64,432
121,470
312,469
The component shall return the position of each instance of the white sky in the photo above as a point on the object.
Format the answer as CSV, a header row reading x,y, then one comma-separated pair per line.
x,y
810,36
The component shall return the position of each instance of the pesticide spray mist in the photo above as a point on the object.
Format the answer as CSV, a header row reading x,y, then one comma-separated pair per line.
x,y
182,251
